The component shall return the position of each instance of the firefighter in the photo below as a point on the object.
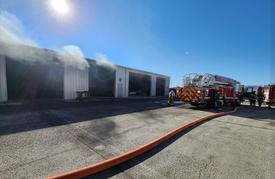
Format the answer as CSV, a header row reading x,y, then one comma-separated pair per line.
x,y
219,100
252,98
171,98
260,96
242,96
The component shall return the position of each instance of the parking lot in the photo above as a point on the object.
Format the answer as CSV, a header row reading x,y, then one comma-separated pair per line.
x,y
46,138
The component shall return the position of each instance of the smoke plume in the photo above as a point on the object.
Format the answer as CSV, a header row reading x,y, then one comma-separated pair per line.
x,y
15,44
102,60
12,30
72,55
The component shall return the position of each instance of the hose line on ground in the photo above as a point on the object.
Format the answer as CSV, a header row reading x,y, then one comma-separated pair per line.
x,y
106,164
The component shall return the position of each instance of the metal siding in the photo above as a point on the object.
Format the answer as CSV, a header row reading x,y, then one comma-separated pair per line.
x,y
75,80
120,87
167,84
102,81
123,73
127,82
139,84
3,80
160,86
153,85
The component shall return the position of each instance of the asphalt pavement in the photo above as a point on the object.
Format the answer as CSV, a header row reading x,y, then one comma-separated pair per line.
x,y
48,138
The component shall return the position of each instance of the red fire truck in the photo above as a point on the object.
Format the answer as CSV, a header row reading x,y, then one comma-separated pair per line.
x,y
201,89
269,92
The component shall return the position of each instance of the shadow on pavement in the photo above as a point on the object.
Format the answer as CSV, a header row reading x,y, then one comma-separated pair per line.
x,y
139,159
254,113
39,115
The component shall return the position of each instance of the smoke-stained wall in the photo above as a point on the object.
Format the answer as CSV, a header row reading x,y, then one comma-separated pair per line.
x,y
3,80
33,80
167,84
101,80
46,76
160,86
139,84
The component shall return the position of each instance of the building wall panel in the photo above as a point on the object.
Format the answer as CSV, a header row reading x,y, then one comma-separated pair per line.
x,y
153,85
101,80
28,80
160,86
122,81
139,84
121,89
167,84
75,80
3,80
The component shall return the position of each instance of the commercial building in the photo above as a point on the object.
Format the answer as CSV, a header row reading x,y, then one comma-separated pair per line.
x,y
48,77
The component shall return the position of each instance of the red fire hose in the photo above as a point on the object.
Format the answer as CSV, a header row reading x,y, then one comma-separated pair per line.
x,y
106,164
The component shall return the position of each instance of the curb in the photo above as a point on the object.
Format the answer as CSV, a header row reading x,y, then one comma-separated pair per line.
x,y
106,164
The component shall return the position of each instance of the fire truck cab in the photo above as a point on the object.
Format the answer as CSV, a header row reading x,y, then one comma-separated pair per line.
x,y
201,89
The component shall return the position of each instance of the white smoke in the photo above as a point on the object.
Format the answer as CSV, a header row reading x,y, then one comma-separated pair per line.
x,y
12,30
102,60
72,55
13,40
15,44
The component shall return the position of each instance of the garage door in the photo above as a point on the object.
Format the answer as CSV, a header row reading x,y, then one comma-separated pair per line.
x,y
160,86
101,81
34,80
139,84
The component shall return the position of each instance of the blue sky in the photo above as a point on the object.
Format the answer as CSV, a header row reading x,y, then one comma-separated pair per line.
x,y
225,37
